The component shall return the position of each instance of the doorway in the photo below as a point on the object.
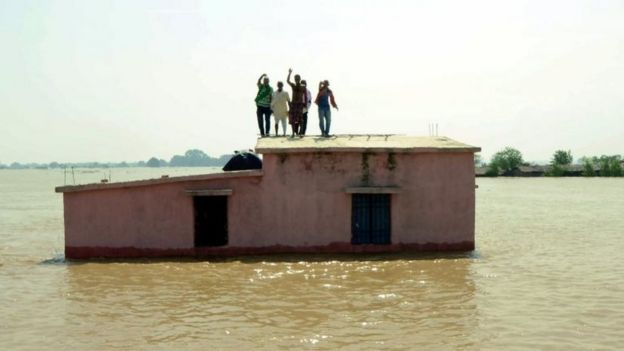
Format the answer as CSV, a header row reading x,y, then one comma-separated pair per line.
x,y
370,219
211,221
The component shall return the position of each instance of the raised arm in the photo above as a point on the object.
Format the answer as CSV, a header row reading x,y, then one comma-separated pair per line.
x,y
260,79
288,78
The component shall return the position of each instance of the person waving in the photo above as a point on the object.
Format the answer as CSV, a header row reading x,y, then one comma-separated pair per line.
x,y
324,98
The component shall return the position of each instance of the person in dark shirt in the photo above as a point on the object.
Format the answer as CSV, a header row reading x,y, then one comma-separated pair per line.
x,y
324,98
298,103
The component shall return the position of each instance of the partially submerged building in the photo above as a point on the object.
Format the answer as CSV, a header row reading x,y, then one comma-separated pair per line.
x,y
348,193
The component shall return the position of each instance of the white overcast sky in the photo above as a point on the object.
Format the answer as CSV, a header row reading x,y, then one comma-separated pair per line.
x,y
127,80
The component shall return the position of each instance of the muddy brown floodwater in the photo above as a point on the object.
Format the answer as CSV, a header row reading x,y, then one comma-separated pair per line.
x,y
547,275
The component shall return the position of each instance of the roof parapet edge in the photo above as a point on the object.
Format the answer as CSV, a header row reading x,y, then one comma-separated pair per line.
x,y
157,181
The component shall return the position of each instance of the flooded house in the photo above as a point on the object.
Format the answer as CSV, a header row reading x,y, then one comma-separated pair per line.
x,y
344,194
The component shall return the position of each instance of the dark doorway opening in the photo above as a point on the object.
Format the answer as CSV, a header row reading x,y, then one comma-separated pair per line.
x,y
370,219
211,222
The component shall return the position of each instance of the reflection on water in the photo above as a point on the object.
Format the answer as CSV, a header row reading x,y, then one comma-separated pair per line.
x,y
545,276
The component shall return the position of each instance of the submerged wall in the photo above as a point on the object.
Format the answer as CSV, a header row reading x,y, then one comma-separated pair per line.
x,y
298,203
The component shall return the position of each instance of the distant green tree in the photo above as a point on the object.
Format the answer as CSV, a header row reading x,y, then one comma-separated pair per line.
x,y
196,157
556,170
588,168
492,170
605,170
153,162
562,157
616,168
193,158
610,166
506,160
177,161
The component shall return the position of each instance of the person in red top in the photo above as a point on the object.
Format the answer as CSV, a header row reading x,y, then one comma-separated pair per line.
x,y
324,98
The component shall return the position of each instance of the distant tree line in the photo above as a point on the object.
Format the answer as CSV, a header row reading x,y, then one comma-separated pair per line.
x,y
55,165
509,162
604,166
191,158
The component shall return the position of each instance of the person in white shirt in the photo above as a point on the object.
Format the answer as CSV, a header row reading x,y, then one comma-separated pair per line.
x,y
304,124
279,105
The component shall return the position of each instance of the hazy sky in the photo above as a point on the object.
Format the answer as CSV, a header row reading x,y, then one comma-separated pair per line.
x,y
127,80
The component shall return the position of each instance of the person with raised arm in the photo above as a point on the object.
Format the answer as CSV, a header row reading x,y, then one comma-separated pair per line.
x,y
263,105
324,98
297,105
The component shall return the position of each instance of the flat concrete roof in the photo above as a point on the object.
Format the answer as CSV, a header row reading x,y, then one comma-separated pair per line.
x,y
155,181
362,143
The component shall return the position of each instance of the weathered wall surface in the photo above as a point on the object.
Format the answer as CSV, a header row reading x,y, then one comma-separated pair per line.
x,y
435,203
150,217
300,202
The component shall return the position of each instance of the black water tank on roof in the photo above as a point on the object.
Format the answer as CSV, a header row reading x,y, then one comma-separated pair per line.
x,y
243,160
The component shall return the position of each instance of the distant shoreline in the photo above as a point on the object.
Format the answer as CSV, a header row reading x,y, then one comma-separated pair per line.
x,y
100,166
548,171
191,158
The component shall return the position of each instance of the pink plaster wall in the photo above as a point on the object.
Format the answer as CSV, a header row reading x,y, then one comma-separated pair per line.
x,y
435,203
299,202
155,216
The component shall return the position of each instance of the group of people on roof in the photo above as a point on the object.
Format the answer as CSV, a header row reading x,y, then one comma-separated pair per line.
x,y
294,110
